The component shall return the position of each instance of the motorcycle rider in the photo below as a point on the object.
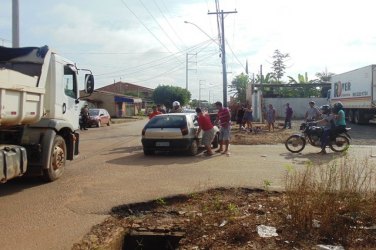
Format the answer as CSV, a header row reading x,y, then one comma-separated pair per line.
x,y
328,124
339,116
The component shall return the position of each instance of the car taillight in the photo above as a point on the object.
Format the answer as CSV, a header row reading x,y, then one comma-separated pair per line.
x,y
143,131
184,130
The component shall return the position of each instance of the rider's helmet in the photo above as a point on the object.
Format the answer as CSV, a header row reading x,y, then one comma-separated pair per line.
x,y
325,109
176,104
337,107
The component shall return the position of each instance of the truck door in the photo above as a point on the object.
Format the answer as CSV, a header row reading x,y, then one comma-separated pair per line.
x,y
70,107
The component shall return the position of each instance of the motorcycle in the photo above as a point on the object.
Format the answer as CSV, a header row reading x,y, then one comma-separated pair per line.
x,y
312,133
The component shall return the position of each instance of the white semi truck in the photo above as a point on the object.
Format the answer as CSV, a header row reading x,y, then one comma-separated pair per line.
x,y
39,112
356,90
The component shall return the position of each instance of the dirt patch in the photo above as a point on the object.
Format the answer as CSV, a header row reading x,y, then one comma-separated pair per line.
x,y
217,219
260,135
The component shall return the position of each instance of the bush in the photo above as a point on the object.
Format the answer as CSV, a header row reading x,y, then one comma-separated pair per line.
x,y
332,201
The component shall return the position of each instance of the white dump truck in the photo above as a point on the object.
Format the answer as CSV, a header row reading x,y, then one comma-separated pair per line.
x,y
356,90
39,112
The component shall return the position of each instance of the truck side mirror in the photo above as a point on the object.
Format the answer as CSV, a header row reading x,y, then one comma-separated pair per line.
x,y
89,83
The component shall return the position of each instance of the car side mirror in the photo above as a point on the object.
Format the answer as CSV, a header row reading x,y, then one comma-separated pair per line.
x,y
89,83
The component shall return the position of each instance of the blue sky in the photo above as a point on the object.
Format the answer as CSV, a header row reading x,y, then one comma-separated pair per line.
x,y
146,41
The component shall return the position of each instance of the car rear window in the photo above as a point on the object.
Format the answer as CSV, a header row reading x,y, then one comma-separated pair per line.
x,y
93,112
167,121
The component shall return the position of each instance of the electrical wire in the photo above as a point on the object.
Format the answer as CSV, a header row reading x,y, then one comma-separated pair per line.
x,y
155,20
146,27
169,24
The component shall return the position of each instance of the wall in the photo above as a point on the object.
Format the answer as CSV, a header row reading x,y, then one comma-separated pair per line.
x,y
298,105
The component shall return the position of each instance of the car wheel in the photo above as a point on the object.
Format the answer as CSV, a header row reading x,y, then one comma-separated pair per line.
x,y
193,149
99,124
215,142
57,160
148,151
109,121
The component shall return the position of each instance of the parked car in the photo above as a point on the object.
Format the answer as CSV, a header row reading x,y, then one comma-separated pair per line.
x,y
173,132
97,117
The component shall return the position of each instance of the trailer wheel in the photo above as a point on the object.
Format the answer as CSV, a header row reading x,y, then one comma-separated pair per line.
x,y
57,160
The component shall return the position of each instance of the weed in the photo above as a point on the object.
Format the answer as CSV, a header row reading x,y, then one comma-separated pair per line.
x,y
340,195
267,184
161,202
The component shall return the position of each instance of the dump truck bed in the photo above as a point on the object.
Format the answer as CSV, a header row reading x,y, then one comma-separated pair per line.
x,y
21,89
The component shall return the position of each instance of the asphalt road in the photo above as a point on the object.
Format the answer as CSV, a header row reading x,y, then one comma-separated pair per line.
x,y
112,170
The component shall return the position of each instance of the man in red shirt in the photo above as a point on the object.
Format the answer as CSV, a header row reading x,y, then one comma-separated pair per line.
x,y
224,119
154,113
208,133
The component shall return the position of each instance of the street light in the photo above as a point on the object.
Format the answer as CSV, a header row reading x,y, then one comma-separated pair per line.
x,y
223,56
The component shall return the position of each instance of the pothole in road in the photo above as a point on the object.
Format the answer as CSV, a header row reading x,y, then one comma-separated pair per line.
x,y
152,240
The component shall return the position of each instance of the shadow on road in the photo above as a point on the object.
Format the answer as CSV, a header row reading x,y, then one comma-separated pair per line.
x,y
315,158
160,158
19,184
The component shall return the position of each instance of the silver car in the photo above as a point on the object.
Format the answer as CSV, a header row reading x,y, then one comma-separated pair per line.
x,y
173,132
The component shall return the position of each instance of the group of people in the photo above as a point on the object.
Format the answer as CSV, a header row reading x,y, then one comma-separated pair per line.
x,y
244,117
208,132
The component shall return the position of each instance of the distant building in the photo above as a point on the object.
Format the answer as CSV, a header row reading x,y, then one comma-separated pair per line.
x,y
120,98
129,89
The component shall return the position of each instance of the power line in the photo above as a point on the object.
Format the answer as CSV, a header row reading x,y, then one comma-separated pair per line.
x,y
155,20
169,24
158,61
146,26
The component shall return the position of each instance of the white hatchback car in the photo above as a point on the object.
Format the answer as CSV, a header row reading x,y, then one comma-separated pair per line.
x,y
173,132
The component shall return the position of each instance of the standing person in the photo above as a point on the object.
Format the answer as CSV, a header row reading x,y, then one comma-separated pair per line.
x,y
239,116
84,117
161,109
176,107
248,117
154,113
207,127
312,113
270,117
224,119
289,113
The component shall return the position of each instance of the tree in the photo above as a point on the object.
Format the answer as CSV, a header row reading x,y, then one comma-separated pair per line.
x,y
268,78
166,95
239,87
301,79
324,76
279,64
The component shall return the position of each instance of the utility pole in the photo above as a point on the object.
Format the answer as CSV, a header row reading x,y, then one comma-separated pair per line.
x,y
187,68
223,50
15,25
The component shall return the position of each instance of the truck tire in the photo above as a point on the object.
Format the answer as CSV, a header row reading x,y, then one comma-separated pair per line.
x,y
57,160
359,117
351,116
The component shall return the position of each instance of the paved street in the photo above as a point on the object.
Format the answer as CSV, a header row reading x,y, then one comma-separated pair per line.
x,y
112,170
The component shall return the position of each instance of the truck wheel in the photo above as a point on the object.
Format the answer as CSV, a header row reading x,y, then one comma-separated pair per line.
x,y
57,160
351,116
359,117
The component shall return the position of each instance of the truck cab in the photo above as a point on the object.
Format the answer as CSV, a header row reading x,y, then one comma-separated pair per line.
x,y
39,110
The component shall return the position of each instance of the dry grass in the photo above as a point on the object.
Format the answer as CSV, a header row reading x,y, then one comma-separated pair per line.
x,y
334,201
